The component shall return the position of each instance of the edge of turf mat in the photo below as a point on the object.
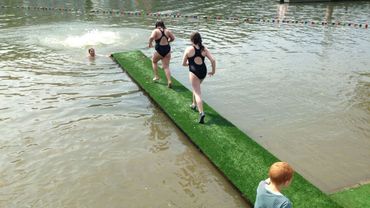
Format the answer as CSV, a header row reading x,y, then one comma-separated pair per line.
x,y
243,161
357,197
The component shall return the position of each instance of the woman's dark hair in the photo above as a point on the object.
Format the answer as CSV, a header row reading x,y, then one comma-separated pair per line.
x,y
160,23
197,39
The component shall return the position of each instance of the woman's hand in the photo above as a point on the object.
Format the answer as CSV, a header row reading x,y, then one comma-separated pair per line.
x,y
211,73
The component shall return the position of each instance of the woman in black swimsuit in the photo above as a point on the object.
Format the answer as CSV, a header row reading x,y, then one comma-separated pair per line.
x,y
162,37
194,58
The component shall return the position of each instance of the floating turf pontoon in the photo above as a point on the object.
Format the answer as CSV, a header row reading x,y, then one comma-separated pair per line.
x,y
238,157
355,197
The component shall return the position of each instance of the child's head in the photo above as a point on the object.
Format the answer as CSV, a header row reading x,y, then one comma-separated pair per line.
x,y
281,173
91,52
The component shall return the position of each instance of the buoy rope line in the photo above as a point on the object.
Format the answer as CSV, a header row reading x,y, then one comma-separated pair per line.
x,y
205,17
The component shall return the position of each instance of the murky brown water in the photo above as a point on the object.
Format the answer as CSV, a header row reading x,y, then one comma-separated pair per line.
x,y
77,133
80,133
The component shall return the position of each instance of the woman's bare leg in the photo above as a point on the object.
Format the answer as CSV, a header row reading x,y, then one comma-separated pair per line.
x,y
195,83
166,67
193,101
156,57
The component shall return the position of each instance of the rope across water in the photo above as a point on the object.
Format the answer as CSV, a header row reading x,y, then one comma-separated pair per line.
x,y
199,17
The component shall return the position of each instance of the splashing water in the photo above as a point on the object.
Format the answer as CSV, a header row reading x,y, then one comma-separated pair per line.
x,y
91,38
110,40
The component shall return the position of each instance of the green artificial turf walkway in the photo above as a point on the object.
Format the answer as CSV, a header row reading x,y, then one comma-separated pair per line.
x,y
238,157
358,197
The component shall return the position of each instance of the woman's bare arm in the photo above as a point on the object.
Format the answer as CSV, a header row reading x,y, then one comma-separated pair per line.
x,y
171,36
151,39
185,58
212,60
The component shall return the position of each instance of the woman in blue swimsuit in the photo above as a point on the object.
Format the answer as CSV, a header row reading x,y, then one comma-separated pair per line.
x,y
162,37
194,58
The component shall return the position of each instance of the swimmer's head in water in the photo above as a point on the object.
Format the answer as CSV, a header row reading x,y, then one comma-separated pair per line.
x,y
160,23
92,52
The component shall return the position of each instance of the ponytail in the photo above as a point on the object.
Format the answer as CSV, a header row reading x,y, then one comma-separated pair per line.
x,y
197,39
201,45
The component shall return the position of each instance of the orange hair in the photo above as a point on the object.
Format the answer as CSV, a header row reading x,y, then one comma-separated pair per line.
x,y
280,173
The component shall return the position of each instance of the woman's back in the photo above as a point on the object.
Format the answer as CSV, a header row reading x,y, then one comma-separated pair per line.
x,y
161,36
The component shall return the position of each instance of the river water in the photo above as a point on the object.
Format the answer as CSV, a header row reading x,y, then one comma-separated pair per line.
x,y
79,133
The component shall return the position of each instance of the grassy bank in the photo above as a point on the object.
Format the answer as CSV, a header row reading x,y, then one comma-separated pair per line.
x,y
238,157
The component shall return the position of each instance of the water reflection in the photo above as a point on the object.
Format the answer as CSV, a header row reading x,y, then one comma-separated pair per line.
x,y
282,10
89,5
361,100
159,134
183,174
211,8
191,180
329,13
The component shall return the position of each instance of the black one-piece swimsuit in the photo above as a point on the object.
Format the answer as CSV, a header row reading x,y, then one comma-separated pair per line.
x,y
198,70
163,50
